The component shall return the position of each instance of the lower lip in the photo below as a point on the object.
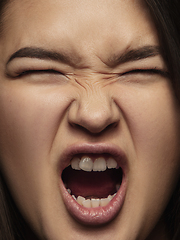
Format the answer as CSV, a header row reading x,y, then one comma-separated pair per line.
x,y
95,216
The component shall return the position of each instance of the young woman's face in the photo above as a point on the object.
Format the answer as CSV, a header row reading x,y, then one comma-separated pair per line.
x,y
85,81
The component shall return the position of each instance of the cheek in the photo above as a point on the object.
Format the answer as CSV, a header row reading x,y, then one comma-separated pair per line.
x,y
152,118
30,118
156,130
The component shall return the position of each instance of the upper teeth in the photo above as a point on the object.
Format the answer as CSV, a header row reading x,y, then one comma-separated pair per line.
x,y
87,164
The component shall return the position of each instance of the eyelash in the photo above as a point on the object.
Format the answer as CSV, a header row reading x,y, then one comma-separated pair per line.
x,y
28,72
135,71
148,71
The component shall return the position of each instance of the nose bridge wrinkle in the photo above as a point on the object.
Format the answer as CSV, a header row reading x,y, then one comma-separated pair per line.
x,y
93,111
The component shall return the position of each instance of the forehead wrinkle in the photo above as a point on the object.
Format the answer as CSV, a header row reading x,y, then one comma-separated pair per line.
x,y
93,81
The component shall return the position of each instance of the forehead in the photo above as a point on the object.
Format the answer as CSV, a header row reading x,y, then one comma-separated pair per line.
x,y
81,26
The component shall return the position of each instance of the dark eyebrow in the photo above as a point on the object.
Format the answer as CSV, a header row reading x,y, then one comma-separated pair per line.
x,y
40,53
134,55
75,61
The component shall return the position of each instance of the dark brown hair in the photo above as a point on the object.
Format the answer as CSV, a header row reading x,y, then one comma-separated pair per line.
x,y
166,14
12,225
167,18
3,5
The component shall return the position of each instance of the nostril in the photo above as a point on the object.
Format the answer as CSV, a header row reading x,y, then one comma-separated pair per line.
x,y
96,131
112,125
109,127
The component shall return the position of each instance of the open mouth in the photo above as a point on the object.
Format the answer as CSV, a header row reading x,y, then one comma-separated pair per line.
x,y
93,180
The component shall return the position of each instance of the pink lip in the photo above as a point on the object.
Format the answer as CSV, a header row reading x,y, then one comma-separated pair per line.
x,y
99,215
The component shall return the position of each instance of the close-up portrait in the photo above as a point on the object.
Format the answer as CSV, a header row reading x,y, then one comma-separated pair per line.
x,y
89,120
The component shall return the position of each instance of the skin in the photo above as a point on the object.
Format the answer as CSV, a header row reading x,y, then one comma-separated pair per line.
x,y
43,113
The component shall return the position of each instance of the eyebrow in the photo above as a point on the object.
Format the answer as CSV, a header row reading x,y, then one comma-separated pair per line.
x,y
43,54
134,55
128,56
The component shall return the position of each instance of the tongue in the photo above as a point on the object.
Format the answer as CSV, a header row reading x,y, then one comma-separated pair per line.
x,y
91,184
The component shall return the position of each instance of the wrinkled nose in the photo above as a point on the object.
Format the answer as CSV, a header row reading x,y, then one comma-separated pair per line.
x,y
95,113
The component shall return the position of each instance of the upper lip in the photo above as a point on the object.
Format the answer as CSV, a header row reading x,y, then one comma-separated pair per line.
x,y
90,148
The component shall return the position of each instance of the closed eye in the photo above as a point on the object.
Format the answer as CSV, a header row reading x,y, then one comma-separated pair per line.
x,y
39,76
46,71
147,71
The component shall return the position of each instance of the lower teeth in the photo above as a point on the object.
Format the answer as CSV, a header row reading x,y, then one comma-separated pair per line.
x,y
93,202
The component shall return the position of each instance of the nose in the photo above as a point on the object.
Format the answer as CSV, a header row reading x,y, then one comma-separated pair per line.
x,y
94,112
